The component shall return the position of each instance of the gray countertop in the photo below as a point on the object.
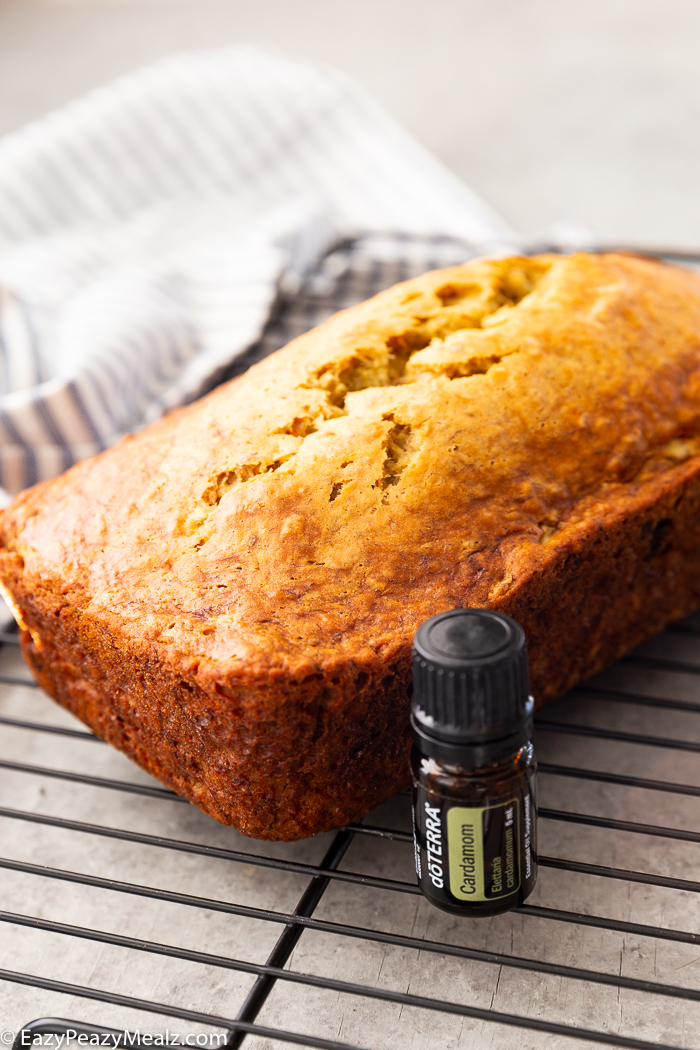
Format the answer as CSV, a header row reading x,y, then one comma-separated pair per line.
x,y
583,111
408,949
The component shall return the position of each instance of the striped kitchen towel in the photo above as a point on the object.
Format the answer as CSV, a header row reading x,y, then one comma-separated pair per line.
x,y
167,229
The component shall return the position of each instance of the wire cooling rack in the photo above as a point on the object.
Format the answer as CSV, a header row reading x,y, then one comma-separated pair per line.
x,y
130,914
635,733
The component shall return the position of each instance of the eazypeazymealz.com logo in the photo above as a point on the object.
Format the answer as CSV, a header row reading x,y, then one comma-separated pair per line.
x,y
71,1037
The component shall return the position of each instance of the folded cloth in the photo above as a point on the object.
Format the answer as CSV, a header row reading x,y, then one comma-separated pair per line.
x,y
156,230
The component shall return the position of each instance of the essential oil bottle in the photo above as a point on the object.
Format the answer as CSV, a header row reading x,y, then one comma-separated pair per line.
x,y
473,765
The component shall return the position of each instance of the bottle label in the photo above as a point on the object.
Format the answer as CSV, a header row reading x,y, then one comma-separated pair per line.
x,y
483,851
475,854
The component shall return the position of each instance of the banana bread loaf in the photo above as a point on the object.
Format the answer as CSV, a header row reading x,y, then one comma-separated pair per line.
x,y
230,596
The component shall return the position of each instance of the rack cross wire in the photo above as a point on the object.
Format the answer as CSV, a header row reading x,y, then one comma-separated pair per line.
x,y
320,876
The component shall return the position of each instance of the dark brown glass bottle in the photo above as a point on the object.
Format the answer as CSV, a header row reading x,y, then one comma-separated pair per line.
x,y
473,765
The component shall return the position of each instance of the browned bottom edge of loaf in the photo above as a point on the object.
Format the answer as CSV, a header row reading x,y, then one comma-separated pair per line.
x,y
619,582
305,773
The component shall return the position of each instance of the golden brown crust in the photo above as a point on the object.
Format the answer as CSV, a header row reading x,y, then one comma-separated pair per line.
x,y
230,596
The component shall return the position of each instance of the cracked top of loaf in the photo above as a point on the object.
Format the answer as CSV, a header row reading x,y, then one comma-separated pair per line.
x,y
425,449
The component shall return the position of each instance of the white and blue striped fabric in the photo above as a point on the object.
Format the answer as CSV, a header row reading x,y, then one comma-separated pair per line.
x,y
193,215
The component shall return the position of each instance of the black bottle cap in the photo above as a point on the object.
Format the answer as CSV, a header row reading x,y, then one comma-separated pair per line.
x,y
471,702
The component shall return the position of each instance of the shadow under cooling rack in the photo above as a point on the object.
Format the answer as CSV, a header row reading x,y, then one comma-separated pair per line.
x,y
131,911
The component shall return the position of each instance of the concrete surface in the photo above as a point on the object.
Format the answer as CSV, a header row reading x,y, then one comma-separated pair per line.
x,y
335,1014
584,110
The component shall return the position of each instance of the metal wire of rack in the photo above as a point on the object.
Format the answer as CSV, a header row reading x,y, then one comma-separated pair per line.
x,y
318,877
327,943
